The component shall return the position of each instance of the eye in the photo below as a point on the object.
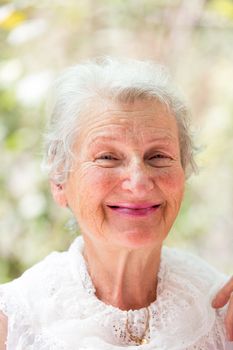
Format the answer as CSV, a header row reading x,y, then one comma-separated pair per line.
x,y
159,156
160,160
107,160
106,157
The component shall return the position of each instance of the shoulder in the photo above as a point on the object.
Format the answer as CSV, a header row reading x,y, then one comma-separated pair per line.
x,y
37,298
187,287
43,281
56,271
188,266
46,273
36,283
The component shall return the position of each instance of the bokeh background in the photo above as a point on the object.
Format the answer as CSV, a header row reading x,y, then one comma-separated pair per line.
x,y
38,39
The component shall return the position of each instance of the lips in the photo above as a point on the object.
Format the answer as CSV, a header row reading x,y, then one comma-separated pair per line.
x,y
135,209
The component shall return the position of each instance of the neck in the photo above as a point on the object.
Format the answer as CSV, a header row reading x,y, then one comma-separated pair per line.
x,y
124,278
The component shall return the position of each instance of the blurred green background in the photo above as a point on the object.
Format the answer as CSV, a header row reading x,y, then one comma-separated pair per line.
x,y
40,38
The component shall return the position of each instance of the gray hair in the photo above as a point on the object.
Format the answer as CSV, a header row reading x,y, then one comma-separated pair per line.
x,y
120,80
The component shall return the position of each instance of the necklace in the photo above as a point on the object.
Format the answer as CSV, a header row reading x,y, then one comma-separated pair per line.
x,y
139,340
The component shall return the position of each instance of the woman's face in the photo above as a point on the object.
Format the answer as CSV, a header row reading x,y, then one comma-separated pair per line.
x,y
128,182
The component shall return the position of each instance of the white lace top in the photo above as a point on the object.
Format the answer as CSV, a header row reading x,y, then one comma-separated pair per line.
x,y
53,306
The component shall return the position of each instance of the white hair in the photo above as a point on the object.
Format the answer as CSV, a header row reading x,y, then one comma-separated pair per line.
x,y
120,80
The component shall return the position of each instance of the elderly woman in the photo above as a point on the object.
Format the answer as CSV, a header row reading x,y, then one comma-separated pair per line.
x,y
118,152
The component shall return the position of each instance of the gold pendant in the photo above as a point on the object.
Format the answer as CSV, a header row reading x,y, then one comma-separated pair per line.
x,y
143,341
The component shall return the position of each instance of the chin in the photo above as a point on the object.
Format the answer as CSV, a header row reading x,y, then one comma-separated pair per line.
x,y
137,239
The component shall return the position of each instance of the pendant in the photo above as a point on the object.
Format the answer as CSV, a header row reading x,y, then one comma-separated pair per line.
x,y
143,341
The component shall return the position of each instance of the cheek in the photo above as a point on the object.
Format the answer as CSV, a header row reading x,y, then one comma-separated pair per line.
x,y
95,185
91,185
98,181
172,183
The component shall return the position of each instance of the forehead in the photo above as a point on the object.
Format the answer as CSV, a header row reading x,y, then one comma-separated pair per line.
x,y
108,120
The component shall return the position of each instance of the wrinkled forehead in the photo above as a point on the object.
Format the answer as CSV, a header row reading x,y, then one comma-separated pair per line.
x,y
108,120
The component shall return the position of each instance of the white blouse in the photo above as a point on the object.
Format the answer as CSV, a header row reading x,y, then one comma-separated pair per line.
x,y
53,306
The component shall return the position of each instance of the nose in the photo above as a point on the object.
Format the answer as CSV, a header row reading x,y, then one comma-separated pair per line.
x,y
137,179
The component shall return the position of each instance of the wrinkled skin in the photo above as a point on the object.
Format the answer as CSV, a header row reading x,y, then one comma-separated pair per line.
x,y
129,170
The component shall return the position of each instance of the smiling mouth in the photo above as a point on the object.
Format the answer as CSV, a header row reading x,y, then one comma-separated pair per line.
x,y
135,210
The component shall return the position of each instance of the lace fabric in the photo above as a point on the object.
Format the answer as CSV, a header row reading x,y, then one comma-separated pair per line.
x,y
53,306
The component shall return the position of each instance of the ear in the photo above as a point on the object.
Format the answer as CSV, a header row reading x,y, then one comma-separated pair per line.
x,y
58,192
